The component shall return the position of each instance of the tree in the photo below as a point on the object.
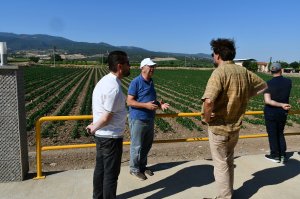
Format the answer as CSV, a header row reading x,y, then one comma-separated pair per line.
x,y
294,65
250,65
284,64
57,57
34,59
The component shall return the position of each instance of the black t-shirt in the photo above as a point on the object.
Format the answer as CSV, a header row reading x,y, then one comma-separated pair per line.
x,y
279,89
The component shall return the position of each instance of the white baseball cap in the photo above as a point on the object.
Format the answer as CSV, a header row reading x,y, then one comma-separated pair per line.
x,y
147,62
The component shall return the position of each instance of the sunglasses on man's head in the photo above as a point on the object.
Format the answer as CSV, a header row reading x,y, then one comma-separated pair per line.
x,y
128,63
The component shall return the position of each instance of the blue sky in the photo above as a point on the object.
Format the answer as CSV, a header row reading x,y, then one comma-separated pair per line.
x,y
261,28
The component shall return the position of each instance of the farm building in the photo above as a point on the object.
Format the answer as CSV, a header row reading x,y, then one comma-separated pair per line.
x,y
263,67
241,61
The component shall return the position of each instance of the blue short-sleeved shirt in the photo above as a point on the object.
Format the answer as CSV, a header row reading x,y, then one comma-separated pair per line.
x,y
143,91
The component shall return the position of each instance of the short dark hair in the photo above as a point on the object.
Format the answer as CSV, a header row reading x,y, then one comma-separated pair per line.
x,y
224,47
115,58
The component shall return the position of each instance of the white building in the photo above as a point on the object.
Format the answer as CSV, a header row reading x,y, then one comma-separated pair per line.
x,y
241,61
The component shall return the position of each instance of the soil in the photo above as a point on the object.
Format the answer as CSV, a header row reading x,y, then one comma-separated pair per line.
x,y
71,159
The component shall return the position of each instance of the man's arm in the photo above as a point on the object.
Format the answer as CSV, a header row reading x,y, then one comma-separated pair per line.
x,y
208,106
103,121
269,101
259,91
262,90
131,101
258,84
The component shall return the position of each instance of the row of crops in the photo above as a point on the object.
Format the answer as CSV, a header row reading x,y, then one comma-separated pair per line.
x,y
68,91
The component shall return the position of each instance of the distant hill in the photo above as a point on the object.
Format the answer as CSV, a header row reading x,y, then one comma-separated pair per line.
x,y
25,42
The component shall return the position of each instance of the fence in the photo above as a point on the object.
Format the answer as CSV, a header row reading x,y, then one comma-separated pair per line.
x,y
40,148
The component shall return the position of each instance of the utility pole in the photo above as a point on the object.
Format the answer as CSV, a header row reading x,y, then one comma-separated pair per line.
x,y
269,65
54,55
3,53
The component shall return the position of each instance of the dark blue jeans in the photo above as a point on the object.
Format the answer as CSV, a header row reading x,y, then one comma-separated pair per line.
x,y
107,169
141,137
275,128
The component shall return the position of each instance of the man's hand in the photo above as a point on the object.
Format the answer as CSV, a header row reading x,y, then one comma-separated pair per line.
x,y
203,121
90,129
286,106
164,106
151,105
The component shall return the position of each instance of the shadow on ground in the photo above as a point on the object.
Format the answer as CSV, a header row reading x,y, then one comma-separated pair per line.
x,y
269,176
31,176
193,176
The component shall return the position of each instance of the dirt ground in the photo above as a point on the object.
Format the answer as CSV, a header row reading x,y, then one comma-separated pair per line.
x,y
70,159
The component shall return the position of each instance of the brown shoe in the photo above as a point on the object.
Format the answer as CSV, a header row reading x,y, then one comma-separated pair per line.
x,y
139,175
149,172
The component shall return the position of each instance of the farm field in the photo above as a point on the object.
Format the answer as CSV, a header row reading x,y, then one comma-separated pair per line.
x,y
68,91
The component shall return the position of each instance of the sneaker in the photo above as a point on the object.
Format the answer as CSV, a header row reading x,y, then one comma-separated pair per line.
x,y
149,172
284,159
272,158
139,175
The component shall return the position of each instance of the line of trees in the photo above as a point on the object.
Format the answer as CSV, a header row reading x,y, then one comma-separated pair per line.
x,y
294,65
252,65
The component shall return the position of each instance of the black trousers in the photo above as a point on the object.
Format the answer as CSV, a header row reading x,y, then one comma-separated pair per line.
x,y
275,128
107,169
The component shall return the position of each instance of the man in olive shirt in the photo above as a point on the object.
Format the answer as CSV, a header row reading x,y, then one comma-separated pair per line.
x,y
226,96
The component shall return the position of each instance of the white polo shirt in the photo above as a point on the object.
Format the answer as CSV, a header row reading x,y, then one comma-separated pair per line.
x,y
108,97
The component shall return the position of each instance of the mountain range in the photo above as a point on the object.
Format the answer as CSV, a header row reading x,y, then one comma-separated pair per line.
x,y
26,42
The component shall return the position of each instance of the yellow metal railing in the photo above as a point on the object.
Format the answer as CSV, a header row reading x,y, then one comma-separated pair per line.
x,y
40,148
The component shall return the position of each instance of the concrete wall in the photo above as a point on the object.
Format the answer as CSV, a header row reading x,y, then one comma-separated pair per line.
x,y
13,138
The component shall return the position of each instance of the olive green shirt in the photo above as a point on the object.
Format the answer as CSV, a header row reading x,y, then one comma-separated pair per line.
x,y
230,87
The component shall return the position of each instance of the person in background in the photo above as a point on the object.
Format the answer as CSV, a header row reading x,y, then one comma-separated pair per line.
x,y
225,99
142,103
109,117
276,99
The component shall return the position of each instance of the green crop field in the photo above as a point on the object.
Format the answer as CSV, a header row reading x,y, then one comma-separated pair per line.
x,y
68,91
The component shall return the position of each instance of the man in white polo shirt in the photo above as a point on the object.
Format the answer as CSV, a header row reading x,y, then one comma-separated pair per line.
x,y
109,117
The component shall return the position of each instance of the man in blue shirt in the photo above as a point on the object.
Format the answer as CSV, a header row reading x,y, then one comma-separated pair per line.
x,y
142,103
276,110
